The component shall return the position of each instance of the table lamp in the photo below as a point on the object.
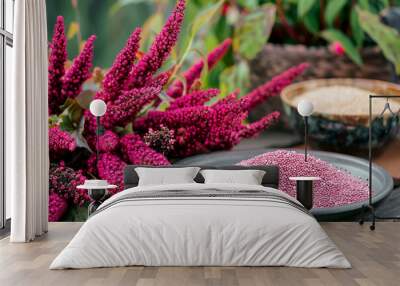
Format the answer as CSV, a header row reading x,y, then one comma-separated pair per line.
x,y
305,109
98,108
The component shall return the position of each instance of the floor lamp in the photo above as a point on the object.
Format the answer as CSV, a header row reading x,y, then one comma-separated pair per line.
x,y
98,108
305,109
386,108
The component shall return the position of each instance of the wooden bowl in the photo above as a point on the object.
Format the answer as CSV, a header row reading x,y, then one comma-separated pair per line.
x,y
343,132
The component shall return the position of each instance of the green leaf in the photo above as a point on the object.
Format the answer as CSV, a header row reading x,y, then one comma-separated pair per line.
x,y
118,5
304,6
387,38
364,4
200,21
311,22
332,10
234,77
66,124
53,120
358,33
204,17
333,35
252,32
71,115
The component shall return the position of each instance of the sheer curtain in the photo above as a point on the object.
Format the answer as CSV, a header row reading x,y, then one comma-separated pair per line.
x,y
27,160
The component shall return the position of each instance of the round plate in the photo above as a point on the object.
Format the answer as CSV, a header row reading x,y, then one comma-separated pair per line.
x,y
382,182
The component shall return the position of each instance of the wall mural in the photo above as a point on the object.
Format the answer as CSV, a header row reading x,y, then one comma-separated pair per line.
x,y
133,89
180,86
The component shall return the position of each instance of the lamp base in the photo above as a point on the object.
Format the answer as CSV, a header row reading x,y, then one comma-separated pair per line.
x,y
371,209
98,196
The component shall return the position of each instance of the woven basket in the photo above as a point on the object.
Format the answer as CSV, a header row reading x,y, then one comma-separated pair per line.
x,y
274,59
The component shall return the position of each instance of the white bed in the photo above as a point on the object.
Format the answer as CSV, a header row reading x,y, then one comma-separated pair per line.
x,y
269,229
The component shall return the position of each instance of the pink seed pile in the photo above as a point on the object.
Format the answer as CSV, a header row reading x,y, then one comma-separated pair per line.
x,y
336,187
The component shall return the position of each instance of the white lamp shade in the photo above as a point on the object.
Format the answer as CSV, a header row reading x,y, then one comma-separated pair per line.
x,y
305,108
98,107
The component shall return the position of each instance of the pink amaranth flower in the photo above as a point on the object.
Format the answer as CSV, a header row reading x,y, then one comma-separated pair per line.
x,y
174,118
57,207
225,124
198,129
161,140
111,168
274,86
115,78
159,50
57,58
108,141
129,103
137,152
336,187
337,48
91,167
64,180
257,127
79,72
60,142
194,71
196,98
229,99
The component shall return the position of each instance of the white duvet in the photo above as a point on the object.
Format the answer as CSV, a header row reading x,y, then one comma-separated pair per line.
x,y
200,231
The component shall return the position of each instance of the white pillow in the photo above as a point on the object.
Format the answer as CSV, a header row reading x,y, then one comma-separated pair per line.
x,y
248,177
166,176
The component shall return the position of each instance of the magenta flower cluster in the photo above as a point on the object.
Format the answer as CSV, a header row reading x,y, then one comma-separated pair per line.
x,y
62,189
63,84
58,206
159,50
57,58
336,187
111,167
79,72
60,142
176,119
124,109
115,78
162,140
108,142
139,153
254,129
274,86
194,72
200,128
196,98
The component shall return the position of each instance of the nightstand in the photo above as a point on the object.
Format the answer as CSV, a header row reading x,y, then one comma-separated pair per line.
x,y
304,190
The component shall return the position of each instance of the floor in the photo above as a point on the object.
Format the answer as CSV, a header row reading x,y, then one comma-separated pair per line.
x,y
375,257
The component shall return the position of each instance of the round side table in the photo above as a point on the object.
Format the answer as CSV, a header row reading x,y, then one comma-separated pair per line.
x,y
97,194
304,190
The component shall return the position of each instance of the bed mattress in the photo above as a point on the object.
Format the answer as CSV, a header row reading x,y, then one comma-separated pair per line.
x,y
201,225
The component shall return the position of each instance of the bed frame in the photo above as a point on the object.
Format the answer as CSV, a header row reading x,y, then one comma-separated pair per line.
x,y
271,177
